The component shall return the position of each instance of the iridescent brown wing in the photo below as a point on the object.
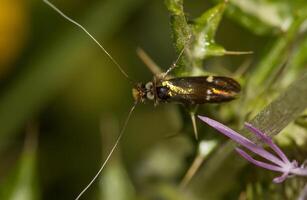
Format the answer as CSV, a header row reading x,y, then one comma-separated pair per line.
x,y
198,90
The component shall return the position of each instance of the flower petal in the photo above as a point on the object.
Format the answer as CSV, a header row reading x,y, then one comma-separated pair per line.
x,y
259,163
268,141
281,178
242,140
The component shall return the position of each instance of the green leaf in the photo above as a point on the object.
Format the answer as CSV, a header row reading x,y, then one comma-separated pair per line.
x,y
180,27
198,38
268,69
265,17
297,63
205,28
115,182
22,183
276,56
181,32
262,16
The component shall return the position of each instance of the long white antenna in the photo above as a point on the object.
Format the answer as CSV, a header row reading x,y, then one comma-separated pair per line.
x,y
92,37
110,153
122,71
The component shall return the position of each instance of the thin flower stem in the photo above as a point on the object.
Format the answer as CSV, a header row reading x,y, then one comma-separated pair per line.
x,y
191,171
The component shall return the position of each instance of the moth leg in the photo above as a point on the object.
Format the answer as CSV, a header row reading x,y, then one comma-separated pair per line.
x,y
151,65
192,115
192,110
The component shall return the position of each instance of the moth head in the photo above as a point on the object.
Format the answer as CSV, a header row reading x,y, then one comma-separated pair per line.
x,y
142,92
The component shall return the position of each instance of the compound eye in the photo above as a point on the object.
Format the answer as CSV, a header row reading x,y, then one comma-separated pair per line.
x,y
150,95
149,85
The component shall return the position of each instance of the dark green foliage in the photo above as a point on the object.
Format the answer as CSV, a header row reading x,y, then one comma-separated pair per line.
x,y
79,99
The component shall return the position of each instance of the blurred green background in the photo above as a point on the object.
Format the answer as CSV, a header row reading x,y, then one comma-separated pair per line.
x,y
63,101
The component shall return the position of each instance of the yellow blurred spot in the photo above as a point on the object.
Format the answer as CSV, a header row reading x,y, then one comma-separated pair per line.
x,y
13,25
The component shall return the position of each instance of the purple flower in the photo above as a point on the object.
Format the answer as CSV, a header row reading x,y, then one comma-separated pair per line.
x,y
274,162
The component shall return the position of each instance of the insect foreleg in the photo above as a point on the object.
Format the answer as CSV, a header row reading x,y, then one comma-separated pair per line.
x,y
192,115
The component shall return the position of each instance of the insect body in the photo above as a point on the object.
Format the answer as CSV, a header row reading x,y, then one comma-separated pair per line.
x,y
188,90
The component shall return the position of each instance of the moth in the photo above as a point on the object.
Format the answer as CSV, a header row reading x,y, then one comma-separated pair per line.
x,y
163,88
